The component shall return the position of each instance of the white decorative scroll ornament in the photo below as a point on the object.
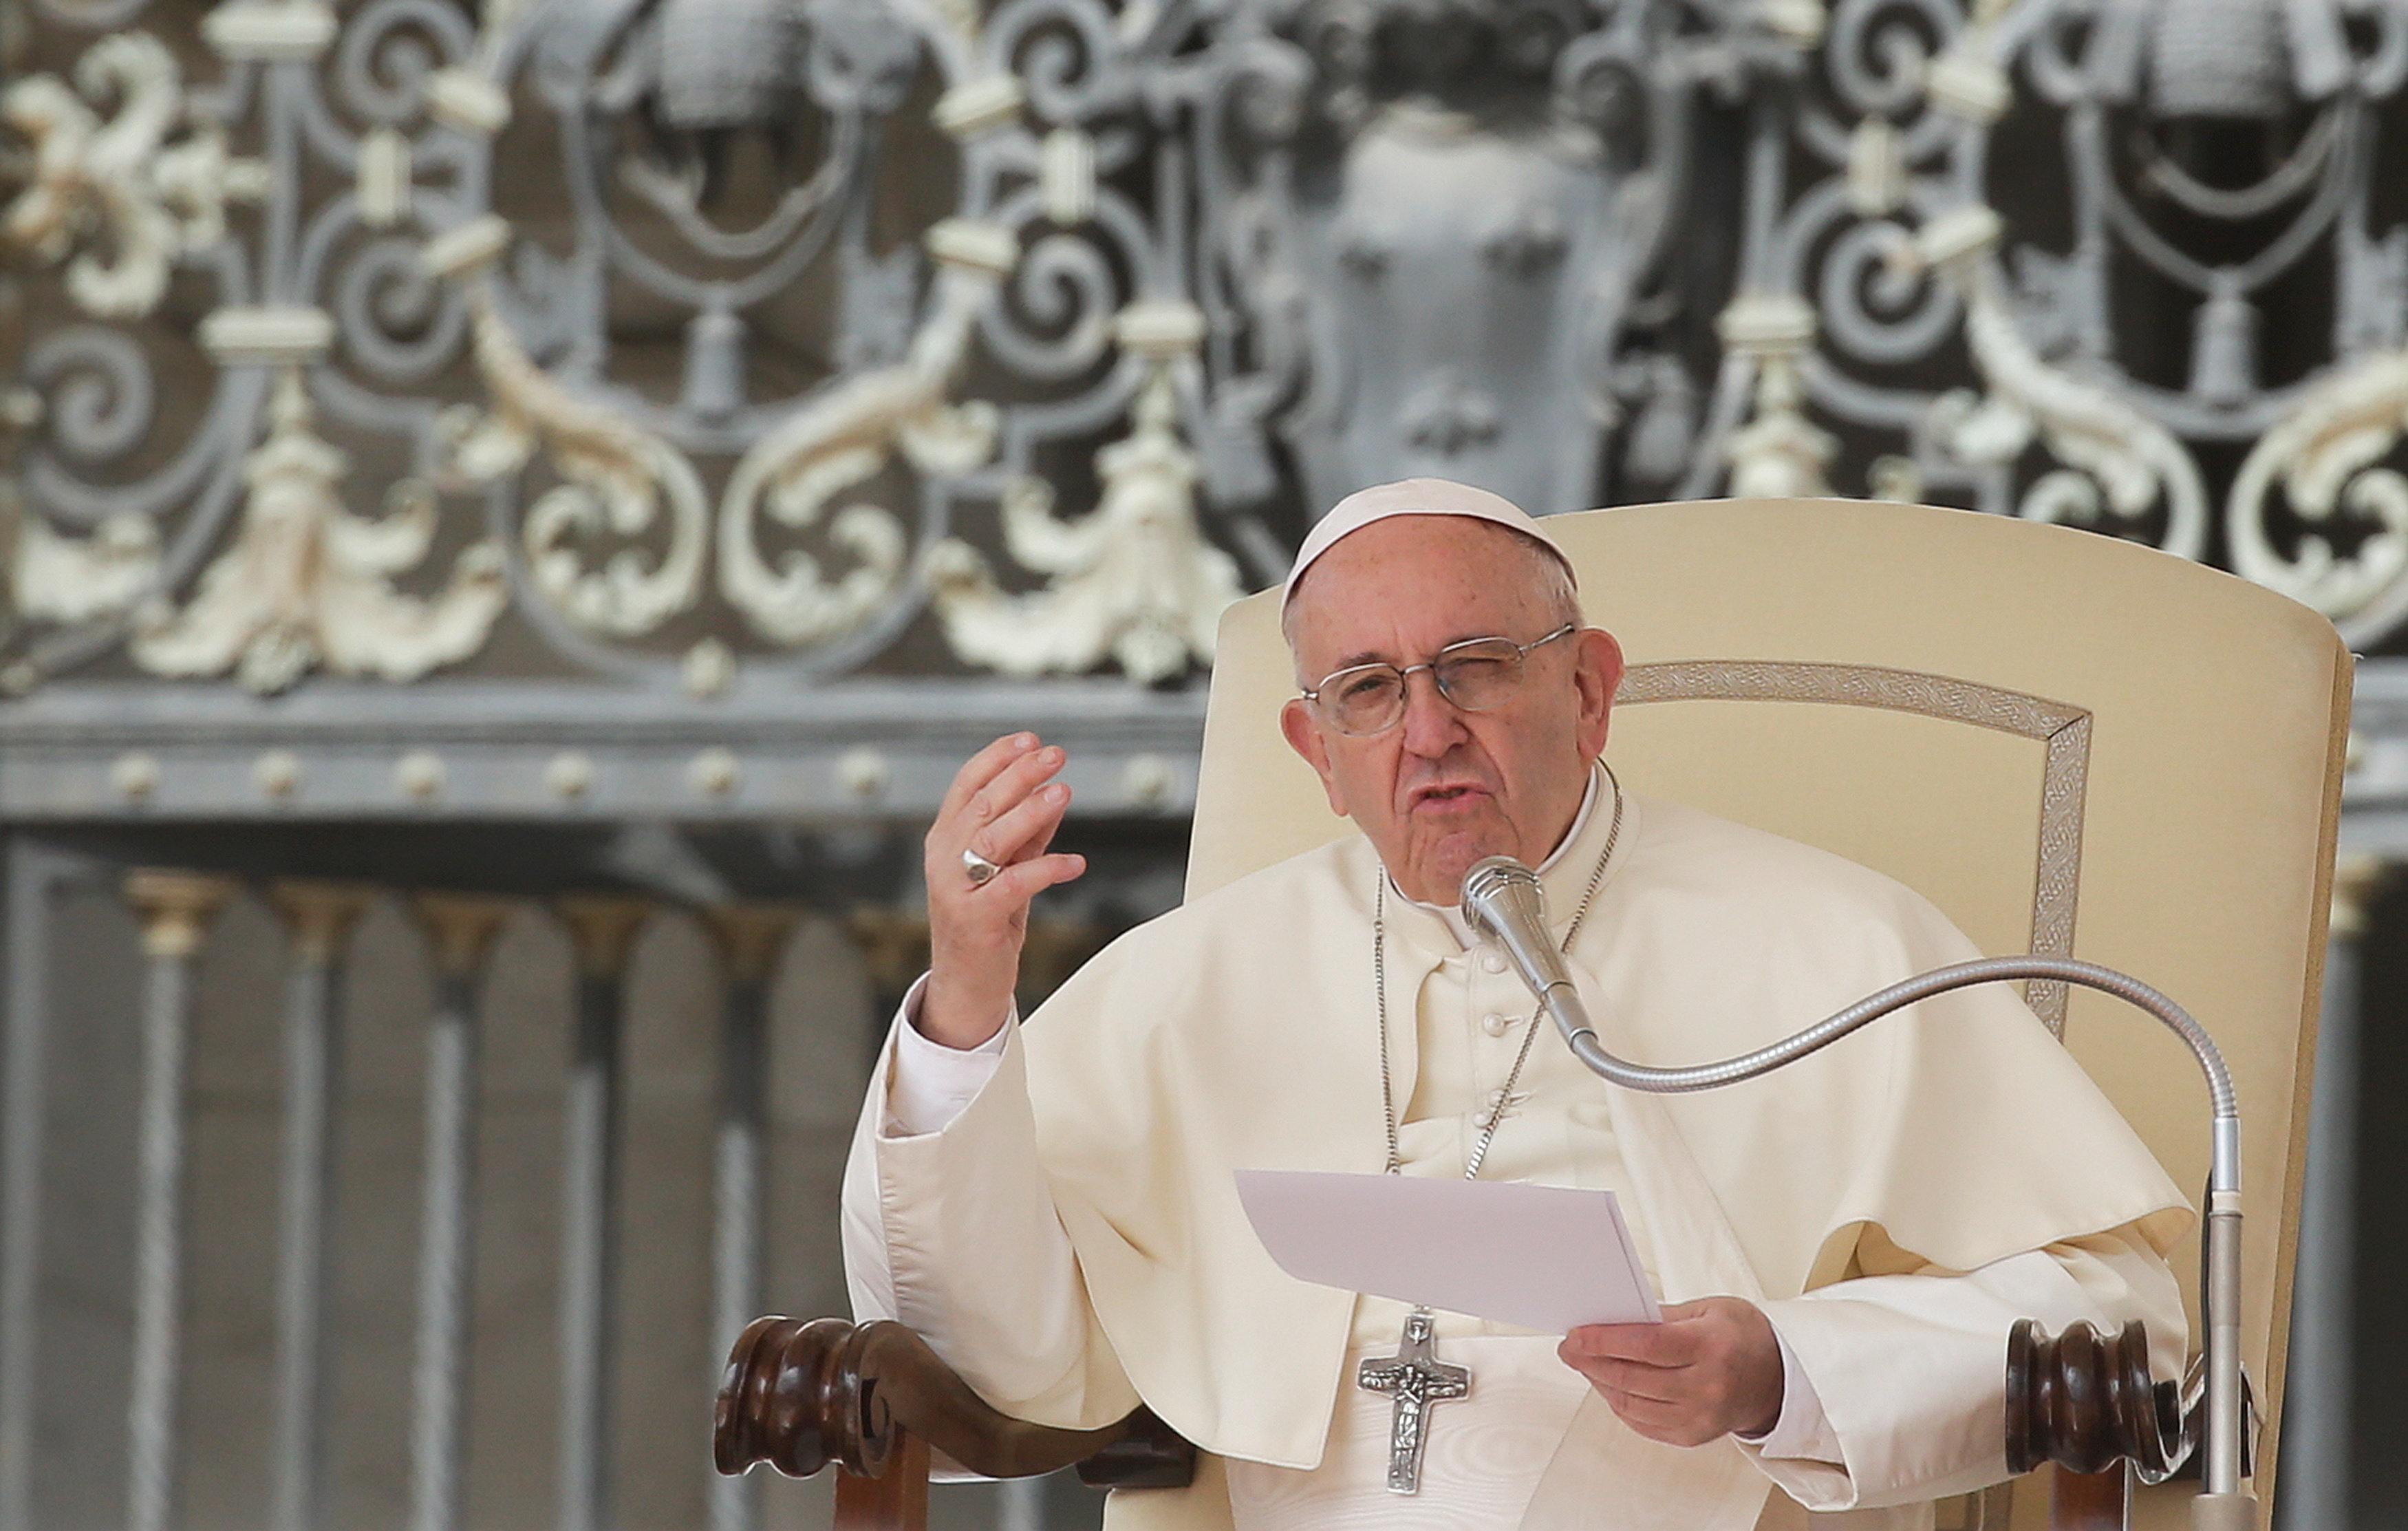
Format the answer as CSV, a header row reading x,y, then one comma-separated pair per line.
x,y
270,29
618,479
2106,442
72,579
832,443
2324,452
305,582
1135,581
1779,454
116,187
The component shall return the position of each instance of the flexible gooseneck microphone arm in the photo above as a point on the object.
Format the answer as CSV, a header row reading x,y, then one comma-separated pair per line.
x,y
1501,897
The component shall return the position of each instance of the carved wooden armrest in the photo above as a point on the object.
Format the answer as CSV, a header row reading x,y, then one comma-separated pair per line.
x,y
2086,1401
873,1398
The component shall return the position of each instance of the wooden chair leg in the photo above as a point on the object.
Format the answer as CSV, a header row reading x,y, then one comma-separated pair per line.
x,y
2088,1501
895,1500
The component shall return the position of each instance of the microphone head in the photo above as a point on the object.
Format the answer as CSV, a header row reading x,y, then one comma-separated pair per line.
x,y
1495,884
1489,871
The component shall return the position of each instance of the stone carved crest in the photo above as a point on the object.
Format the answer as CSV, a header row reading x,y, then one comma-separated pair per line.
x,y
1443,233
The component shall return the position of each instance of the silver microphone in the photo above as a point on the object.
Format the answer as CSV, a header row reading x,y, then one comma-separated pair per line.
x,y
1502,900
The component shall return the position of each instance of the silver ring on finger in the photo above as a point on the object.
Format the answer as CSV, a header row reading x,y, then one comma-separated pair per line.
x,y
982,871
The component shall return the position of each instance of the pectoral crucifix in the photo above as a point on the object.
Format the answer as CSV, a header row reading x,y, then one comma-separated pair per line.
x,y
1418,1379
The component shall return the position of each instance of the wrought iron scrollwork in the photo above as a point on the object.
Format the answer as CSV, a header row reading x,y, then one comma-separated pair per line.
x,y
759,324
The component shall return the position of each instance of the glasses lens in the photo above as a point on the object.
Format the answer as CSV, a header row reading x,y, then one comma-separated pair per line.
x,y
1477,676
1366,699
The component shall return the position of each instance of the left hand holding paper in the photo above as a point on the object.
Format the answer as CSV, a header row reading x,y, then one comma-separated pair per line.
x,y
1711,1368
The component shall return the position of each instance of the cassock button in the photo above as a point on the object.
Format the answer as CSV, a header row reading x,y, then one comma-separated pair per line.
x,y
1496,1024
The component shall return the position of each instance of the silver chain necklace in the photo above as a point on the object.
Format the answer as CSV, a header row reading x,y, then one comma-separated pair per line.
x,y
1415,1374
1380,986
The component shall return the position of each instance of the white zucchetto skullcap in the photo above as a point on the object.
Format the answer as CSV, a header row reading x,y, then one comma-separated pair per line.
x,y
1416,497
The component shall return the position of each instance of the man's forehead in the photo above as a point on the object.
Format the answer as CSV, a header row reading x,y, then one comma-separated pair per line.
x,y
1420,583
1441,544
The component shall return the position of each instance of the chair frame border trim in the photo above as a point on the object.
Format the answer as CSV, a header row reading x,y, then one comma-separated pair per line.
x,y
2062,727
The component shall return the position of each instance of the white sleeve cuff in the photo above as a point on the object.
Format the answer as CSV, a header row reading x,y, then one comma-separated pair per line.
x,y
929,1083
1803,1430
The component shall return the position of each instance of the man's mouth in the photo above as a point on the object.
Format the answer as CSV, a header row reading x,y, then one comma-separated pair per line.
x,y
1444,795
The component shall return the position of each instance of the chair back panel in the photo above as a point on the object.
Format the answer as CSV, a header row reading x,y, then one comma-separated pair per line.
x,y
2071,744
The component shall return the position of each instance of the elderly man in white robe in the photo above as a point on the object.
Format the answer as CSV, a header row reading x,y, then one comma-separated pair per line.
x,y
1840,1247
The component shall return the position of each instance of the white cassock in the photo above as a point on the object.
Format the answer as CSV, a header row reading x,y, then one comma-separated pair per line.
x,y
1072,1243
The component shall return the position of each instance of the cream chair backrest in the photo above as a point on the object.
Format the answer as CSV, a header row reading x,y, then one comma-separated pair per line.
x,y
2071,744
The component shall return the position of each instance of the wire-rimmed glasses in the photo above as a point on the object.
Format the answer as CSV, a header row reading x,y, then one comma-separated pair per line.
x,y
1476,675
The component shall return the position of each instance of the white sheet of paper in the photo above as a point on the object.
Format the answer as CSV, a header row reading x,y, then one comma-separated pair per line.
x,y
1542,1258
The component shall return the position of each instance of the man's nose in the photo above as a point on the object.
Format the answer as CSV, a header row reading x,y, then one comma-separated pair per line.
x,y
1432,724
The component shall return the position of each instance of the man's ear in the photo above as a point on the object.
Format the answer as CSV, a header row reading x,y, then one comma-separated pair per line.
x,y
1597,674
1304,737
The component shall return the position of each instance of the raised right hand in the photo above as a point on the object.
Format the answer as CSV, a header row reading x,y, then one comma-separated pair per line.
x,y
1005,805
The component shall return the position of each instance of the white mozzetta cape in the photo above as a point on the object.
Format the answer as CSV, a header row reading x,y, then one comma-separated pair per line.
x,y
1239,1032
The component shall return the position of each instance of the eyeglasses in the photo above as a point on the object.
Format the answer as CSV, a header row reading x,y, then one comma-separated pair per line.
x,y
1476,675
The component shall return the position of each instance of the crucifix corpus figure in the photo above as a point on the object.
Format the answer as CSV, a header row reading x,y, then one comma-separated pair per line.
x,y
1418,1379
